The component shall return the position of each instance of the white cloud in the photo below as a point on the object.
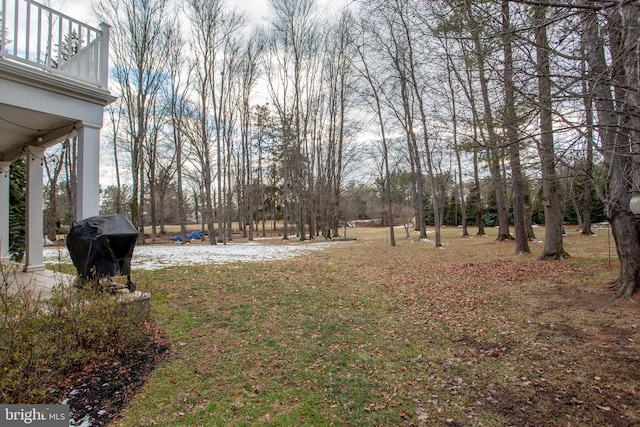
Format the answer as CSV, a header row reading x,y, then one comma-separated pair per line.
x,y
76,9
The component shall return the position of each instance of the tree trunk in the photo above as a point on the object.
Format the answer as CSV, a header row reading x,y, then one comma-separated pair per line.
x,y
385,148
413,78
618,130
414,155
522,245
553,212
587,194
531,236
468,88
152,183
456,148
182,214
627,227
476,180
493,150
71,167
140,191
115,119
52,213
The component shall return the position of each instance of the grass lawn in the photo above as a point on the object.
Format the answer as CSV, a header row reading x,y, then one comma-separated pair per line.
x,y
366,334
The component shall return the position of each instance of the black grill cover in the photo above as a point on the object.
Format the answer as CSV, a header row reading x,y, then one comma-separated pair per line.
x,y
102,245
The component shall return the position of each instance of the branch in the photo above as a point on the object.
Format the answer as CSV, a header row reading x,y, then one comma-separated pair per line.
x,y
593,7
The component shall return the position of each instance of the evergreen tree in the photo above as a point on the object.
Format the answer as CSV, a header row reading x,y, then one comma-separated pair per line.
x,y
17,208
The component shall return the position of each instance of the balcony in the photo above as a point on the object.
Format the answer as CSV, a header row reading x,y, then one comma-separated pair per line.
x,y
40,37
53,85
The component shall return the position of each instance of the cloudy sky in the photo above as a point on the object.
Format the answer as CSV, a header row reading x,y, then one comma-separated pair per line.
x,y
256,10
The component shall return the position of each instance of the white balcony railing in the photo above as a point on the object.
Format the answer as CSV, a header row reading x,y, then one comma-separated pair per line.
x,y
39,36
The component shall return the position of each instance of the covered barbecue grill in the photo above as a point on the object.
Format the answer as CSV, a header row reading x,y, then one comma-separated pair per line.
x,y
102,246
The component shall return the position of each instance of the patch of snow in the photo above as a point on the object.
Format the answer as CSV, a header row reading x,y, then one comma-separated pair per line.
x,y
153,257
84,422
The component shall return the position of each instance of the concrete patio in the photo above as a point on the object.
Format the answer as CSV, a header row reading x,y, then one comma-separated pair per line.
x,y
39,283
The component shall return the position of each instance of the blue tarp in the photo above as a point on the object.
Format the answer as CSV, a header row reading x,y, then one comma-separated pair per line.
x,y
194,235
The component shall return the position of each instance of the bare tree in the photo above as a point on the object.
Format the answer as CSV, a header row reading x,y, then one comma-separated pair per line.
x,y
139,52
494,150
374,99
456,146
393,48
214,30
70,170
553,210
53,165
338,68
227,103
294,29
589,142
420,90
249,69
459,55
115,117
205,18
511,125
177,99
152,162
618,123
263,128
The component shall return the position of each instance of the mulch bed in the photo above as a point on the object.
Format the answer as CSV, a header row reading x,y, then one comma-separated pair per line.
x,y
100,391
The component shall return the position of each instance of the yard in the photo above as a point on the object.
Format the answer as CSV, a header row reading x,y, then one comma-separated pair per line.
x,y
361,333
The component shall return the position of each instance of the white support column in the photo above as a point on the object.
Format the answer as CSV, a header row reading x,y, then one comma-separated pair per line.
x,y
104,56
4,211
88,188
35,216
